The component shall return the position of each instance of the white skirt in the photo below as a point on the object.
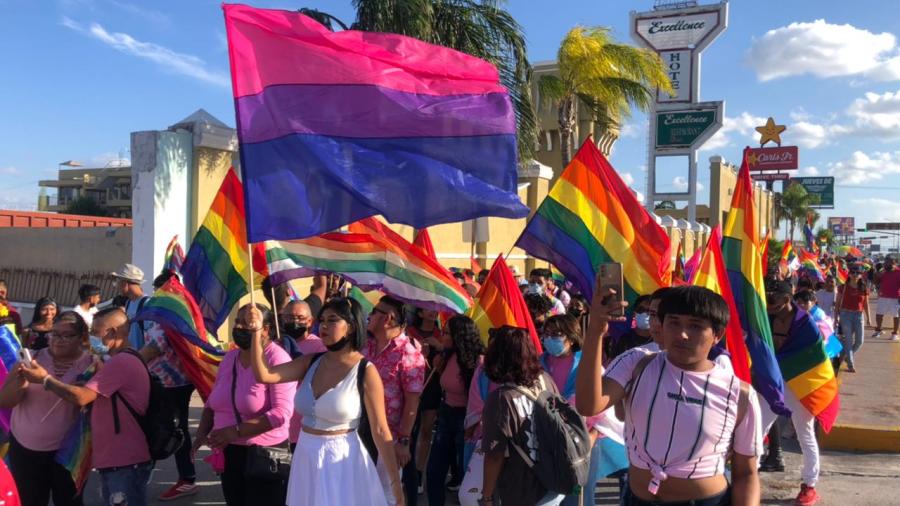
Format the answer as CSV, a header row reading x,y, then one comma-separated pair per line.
x,y
334,470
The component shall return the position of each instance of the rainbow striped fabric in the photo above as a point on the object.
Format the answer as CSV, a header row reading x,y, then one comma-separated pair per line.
x,y
215,271
350,124
810,262
75,451
591,217
807,370
841,272
740,248
173,308
372,257
500,302
174,258
712,274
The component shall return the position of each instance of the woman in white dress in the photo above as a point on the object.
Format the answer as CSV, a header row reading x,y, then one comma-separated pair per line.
x,y
331,465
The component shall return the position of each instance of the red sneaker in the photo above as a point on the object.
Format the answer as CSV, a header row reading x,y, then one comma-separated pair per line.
x,y
179,489
807,496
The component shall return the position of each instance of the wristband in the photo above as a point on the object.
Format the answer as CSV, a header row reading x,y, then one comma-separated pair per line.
x,y
44,382
403,440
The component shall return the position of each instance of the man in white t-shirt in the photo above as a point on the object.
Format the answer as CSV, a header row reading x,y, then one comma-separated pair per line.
x,y
89,297
825,297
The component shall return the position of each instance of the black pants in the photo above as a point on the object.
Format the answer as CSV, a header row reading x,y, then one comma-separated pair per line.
x,y
446,448
180,399
241,490
38,477
723,499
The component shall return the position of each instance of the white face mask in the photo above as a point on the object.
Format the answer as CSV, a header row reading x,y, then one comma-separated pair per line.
x,y
642,321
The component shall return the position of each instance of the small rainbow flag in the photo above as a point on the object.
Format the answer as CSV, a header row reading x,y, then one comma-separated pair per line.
x,y
500,302
841,273
591,217
174,256
810,262
75,451
173,308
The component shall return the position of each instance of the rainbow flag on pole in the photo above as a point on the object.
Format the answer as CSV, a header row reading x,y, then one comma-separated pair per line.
x,y
174,256
740,248
173,308
500,302
346,125
215,271
713,275
591,217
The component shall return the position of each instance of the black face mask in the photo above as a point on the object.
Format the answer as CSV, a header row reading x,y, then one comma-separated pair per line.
x,y
339,345
242,338
294,329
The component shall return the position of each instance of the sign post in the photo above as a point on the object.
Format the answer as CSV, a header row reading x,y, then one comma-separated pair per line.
x,y
680,123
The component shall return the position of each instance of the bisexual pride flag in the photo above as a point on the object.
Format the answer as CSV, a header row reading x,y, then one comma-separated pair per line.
x,y
338,126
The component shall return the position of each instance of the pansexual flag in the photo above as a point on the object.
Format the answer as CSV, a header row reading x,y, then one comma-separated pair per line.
x,y
338,126
216,269
711,274
500,302
591,217
173,308
740,248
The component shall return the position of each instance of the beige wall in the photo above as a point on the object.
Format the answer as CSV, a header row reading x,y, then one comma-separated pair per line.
x,y
65,249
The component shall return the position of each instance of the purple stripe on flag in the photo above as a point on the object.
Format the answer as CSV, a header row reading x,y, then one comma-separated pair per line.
x,y
364,111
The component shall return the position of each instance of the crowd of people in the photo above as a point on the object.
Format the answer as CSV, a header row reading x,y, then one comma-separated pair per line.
x,y
319,403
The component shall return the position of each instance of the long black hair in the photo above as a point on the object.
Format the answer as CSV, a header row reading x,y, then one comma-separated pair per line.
x,y
349,310
41,303
468,344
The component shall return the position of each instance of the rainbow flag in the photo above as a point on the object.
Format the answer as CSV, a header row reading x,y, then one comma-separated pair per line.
x,y
423,241
367,300
810,262
174,256
690,267
174,309
810,238
380,260
712,274
215,271
500,302
740,249
841,273
807,370
76,449
591,217
679,263
349,124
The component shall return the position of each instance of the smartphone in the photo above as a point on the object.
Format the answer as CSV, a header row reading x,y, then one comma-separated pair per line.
x,y
609,276
25,356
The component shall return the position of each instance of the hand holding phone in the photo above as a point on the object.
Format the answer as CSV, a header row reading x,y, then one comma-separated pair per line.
x,y
25,356
610,279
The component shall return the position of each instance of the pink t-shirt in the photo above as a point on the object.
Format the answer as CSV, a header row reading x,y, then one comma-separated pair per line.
x,y
312,344
402,369
253,399
126,375
889,287
560,368
680,423
29,427
455,394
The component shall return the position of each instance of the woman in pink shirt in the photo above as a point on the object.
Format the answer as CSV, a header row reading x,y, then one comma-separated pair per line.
x,y
463,352
241,412
40,419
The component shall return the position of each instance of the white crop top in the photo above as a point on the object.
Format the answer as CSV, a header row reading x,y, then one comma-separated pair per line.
x,y
338,408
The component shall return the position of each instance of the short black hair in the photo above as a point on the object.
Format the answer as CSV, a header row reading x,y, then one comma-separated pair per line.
x,y
805,296
643,298
660,293
162,279
87,291
695,301
398,307
540,271
349,310
779,287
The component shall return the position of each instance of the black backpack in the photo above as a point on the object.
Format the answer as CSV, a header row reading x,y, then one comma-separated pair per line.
x,y
563,444
363,431
164,436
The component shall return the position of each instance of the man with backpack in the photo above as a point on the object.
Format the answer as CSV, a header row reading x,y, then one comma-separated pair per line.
x,y
685,415
120,396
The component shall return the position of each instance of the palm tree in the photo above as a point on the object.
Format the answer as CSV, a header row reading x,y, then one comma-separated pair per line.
x,y
602,75
480,28
794,206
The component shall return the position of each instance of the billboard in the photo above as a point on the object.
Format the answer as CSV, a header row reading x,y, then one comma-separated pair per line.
x,y
840,225
685,129
823,187
774,158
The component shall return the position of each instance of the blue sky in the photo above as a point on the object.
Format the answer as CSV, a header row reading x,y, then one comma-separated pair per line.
x,y
83,74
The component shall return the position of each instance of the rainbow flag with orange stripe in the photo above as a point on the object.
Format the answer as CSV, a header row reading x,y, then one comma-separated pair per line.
x,y
173,308
216,269
591,217
712,275
742,254
500,302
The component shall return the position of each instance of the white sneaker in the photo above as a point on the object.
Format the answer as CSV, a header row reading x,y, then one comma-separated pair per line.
x,y
895,337
877,333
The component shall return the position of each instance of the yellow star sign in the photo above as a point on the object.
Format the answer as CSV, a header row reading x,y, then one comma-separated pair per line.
x,y
752,160
770,132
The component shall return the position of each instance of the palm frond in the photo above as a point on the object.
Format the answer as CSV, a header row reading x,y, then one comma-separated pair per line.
x,y
323,17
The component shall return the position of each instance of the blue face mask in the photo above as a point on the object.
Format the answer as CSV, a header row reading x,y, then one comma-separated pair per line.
x,y
97,346
555,346
642,321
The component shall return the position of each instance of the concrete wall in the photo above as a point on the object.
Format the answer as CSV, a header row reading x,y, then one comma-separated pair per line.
x,y
65,249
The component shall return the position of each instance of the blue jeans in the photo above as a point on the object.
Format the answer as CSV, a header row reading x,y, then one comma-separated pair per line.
x,y
853,334
447,444
130,481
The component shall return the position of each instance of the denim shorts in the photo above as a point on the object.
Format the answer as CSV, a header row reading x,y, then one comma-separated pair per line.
x,y
126,482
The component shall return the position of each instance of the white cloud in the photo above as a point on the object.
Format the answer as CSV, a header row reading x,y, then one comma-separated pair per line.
x,y
680,184
888,210
877,115
743,126
823,49
808,135
634,129
108,159
172,61
9,171
627,177
863,168
809,171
